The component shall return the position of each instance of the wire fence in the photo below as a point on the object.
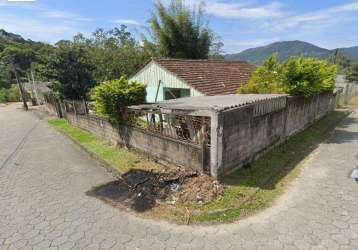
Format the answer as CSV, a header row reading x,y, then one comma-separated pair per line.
x,y
192,129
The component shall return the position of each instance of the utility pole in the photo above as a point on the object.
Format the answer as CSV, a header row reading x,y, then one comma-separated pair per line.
x,y
22,92
31,85
335,56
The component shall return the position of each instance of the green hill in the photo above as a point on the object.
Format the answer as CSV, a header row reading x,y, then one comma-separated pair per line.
x,y
287,49
10,36
351,52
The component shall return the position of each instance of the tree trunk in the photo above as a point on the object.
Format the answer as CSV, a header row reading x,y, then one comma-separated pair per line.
x,y
35,87
22,92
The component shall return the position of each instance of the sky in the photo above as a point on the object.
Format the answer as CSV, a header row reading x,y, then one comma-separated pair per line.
x,y
240,24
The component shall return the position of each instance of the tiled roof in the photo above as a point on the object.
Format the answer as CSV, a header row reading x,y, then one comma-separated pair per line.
x,y
210,77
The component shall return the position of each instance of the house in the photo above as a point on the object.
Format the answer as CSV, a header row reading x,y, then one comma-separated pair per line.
x,y
175,78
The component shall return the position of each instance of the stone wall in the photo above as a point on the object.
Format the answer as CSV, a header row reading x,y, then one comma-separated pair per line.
x,y
157,146
245,136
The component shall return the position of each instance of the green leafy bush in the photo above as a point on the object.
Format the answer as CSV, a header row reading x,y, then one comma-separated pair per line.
x,y
112,96
352,75
266,79
308,76
297,76
3,96
10,95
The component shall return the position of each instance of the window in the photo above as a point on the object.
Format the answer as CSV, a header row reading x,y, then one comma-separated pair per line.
x,y
174,93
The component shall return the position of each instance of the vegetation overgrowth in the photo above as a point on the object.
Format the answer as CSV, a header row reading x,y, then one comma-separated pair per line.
x,y
297,76
112,96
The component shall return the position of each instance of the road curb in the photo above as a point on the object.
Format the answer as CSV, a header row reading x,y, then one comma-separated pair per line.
x,y
106,165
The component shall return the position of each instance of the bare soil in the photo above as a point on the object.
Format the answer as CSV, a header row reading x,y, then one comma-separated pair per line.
x,y
142,190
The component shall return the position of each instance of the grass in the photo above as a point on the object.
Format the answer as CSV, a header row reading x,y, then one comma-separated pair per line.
x,y
122,159
249,190
246,191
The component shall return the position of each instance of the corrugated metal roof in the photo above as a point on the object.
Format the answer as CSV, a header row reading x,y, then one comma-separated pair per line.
x,y
217,103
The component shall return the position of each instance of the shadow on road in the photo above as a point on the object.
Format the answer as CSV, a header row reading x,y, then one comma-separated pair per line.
x,y
137,189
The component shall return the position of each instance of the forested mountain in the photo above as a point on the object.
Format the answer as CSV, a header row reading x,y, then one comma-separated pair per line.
x,y
287,49
351,52
10,36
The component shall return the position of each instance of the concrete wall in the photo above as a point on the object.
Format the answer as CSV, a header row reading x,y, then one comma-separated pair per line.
x,y
349,90
238,135
244,135
157,146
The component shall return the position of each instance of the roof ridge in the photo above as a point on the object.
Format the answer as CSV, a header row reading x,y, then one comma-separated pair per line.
x,y
200,60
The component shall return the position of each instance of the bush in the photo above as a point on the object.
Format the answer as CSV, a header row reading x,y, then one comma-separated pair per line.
x,y
308,76
352,75
266,79
297,76
10,95
3,95
112,96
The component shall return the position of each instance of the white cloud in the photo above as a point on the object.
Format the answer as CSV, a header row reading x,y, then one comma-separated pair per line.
x,y
127,22
39,25
37,29
244,10
252,42
3,3
55,14
329,15
239,9
39,22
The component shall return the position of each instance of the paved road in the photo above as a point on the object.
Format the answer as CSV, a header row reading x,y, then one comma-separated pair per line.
x,y
43,203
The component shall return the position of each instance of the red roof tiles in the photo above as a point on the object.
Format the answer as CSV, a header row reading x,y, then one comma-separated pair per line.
x,y
210,77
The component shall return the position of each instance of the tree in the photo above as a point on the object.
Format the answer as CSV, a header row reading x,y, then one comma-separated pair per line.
x,y
9,94
297,76
5,76
216,51
180,31
19,61
71,69
11,41
116,53
353,74
266,78
112,96
342,62
308,76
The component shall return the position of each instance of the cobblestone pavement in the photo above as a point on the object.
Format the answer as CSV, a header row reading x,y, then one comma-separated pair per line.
x,y
43,203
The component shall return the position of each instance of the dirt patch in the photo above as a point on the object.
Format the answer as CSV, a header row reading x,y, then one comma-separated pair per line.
x,y
201,189
141,190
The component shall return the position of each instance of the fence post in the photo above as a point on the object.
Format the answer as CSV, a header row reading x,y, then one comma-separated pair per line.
x,y
58,108
74,108
85,106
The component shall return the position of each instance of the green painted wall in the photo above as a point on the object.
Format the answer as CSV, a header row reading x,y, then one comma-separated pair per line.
x,y
150,76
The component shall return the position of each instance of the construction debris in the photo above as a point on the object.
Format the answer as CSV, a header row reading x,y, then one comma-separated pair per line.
x,y
141,190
